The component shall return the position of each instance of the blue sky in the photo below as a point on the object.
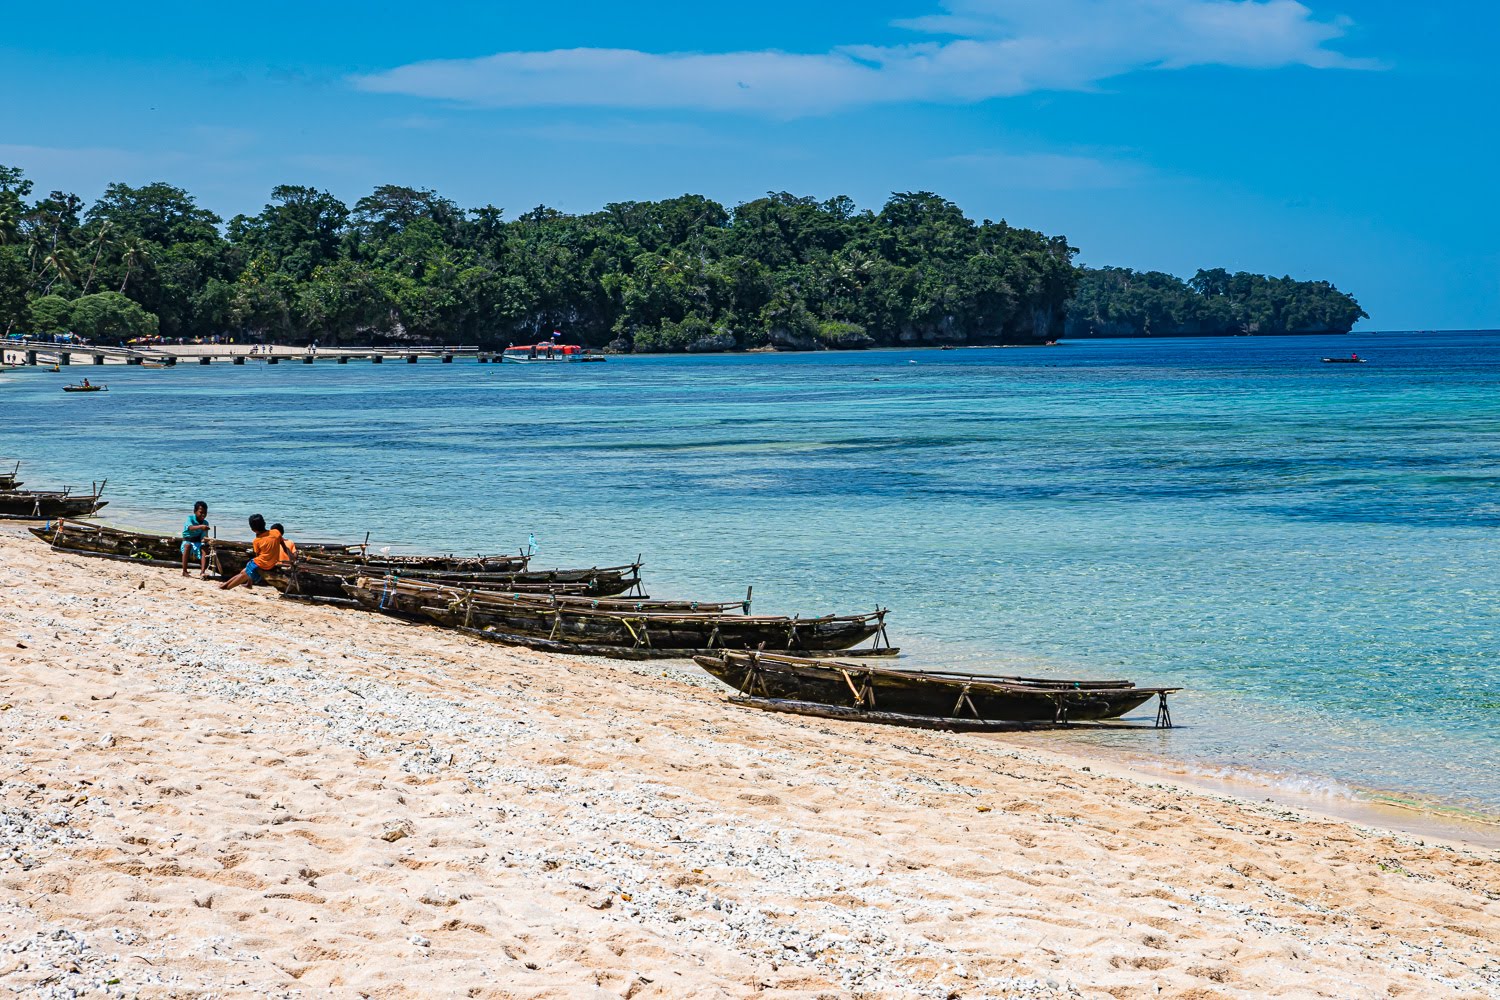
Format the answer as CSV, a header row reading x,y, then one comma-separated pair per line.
x,y
1350,141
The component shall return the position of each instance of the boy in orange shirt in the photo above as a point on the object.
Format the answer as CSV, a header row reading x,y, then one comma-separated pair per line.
x,y
267,547
288,547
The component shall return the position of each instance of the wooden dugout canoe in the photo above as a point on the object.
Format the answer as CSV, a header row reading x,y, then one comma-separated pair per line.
x,y
101,540
88,538
44,506
326,579
665,626
834,688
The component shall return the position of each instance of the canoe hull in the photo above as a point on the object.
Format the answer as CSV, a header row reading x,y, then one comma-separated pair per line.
x,y
853,686
230,556
616,629
46,507
327,581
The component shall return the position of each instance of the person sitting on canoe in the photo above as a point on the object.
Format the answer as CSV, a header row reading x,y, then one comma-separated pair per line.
x,y
267,549
85,383
194,534
288,547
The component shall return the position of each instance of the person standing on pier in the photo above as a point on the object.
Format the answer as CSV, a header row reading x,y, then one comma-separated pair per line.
x,y
194,538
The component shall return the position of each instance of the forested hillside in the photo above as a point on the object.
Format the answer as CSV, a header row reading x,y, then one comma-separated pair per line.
x,y
685,274
1119,302
682,274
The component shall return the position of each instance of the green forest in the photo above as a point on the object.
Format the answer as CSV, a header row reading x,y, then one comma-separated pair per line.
x,y
683,274
1119,302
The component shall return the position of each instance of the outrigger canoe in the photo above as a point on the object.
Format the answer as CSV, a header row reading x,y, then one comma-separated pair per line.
x,y
634,628
836,688
45,505
321,578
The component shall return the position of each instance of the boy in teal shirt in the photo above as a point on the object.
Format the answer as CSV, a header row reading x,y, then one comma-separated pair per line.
x,y
194,533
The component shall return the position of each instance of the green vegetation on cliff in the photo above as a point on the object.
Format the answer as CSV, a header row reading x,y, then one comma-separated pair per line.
x,y
685,274
1119,302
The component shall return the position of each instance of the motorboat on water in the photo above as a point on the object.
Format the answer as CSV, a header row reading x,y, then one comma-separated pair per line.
x,y
547,353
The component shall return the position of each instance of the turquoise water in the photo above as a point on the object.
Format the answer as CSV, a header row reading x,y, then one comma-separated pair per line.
x,y
1308,548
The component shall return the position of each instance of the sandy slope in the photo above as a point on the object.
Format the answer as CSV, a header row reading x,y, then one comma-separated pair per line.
x,y
230,794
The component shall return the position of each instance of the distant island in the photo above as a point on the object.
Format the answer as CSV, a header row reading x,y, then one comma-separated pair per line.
x,y
1119,302
405,265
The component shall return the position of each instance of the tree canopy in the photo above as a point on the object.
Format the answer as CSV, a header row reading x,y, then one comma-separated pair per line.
x,y
1119,302
682,274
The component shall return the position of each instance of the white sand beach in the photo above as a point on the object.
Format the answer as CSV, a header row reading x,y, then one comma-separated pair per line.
x,y
209,794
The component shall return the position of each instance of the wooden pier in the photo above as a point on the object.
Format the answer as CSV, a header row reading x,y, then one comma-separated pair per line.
x,y
38,352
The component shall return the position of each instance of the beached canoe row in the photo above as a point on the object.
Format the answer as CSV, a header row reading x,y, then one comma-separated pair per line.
x,y
639,628
501,598
777,663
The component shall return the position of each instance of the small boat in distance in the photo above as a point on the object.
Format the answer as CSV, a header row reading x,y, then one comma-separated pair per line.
x,y
86,386
155,364
1353,359
547,352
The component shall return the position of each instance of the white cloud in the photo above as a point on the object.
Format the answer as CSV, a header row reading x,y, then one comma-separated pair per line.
x,y
1048,171
981,49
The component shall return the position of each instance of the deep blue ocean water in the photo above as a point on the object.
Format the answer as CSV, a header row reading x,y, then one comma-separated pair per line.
x,y
1309,549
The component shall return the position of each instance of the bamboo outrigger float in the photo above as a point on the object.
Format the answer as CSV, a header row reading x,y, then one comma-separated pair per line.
x,y
833,688
632,628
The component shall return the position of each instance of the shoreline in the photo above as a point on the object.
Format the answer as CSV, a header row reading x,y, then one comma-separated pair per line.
x,y
226,793
1404,812
1374,809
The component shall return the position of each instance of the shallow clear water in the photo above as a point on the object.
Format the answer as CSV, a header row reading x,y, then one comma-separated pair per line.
x,y
1307,548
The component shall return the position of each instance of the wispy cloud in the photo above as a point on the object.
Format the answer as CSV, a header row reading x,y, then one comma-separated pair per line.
x,y
1048,171
976,50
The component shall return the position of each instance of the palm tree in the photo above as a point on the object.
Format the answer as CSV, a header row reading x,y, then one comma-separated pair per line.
x,y
133,253
60,261
99,242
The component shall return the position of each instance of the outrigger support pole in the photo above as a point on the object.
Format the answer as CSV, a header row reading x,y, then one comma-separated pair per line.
x,y
1163,714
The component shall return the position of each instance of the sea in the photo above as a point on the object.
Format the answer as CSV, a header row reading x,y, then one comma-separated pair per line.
x,y
1309,550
